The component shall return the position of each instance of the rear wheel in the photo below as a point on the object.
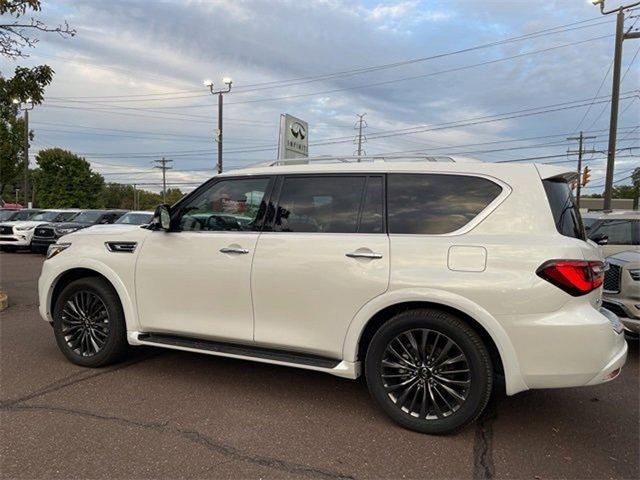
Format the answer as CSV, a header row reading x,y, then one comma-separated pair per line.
x,y
429,371
88,323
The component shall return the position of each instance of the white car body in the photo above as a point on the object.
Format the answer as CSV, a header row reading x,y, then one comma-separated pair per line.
x,y
299,292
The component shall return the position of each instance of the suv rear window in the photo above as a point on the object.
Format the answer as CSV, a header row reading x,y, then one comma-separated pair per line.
x,y
432,204
565,211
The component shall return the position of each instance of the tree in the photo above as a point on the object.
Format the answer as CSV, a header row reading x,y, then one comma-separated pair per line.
x,y
27,84
18,35
65,180
118,195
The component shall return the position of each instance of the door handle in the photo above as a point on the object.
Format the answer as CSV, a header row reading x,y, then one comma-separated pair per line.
x,y
234,250
356,254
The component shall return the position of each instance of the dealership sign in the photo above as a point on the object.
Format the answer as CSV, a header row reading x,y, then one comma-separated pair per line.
x,y
293,141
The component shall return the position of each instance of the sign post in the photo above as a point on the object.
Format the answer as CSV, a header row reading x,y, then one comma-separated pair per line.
x,y
293,140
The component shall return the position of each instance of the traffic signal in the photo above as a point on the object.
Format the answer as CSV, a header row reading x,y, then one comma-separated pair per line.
x,y
586,176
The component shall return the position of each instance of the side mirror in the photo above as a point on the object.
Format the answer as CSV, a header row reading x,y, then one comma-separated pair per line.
x,y
162,218
601,239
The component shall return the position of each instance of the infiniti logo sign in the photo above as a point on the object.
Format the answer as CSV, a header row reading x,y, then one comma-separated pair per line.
x,y
298,130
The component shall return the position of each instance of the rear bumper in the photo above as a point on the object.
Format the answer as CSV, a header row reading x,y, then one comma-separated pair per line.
x,y
574,346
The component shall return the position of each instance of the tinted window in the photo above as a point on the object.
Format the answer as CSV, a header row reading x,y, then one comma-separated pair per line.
x,y
87,216
372,217
135,218
436,204
619,232
320,204
228,205
6,214
565,211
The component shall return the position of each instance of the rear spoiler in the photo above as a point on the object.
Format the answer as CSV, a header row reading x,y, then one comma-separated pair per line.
x,y
547,172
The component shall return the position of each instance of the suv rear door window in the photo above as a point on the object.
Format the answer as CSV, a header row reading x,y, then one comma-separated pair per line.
x,y
372,217
323,204
565,211
432,204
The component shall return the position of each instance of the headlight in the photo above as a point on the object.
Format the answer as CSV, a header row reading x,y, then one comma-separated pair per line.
x,y
635,274
64,231
56,248
24,228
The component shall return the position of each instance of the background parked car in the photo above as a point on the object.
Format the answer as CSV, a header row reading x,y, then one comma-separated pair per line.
x,y
18,234
622,288
7,239
45,235
616,232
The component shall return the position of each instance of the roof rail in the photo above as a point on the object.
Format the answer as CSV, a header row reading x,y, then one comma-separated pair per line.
x,y
355,159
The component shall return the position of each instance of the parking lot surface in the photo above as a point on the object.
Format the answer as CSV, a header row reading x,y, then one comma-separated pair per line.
x,y
168,414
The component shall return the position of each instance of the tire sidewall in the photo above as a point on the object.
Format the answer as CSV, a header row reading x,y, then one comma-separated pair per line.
x,y
117,329
468,341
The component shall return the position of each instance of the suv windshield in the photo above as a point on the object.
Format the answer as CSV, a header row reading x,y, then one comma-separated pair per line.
x,y
565,211
87,216
6,214
135,218
45,216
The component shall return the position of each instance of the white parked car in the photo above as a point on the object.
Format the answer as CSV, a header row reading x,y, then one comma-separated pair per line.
x,y
430,277
19,233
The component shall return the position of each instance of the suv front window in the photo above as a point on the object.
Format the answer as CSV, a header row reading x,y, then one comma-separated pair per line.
x,y
228,205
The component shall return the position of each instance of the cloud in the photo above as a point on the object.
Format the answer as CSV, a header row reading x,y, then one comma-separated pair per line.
x,y
139,49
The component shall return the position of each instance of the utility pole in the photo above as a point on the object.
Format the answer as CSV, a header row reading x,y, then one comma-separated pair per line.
x,y
615,92
581,138
162,164
208,83
25,107
360,139
135,199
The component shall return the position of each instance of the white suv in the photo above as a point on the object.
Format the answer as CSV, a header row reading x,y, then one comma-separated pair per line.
x,y
431,277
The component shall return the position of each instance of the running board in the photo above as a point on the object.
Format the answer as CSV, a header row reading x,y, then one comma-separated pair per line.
x,y
248,352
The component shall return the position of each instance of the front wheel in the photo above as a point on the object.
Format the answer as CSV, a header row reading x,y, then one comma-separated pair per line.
x,y
88,323
429,371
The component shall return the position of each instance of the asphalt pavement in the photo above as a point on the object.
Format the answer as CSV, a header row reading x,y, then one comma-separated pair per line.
x,y
167,414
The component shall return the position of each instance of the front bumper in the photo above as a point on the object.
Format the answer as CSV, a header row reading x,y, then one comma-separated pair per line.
x,y
42,243
18,239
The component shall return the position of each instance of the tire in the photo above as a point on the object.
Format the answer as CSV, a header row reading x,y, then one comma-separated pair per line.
x,y
407,393
88,323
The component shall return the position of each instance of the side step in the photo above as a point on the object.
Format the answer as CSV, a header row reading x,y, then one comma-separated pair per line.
x,y
241,351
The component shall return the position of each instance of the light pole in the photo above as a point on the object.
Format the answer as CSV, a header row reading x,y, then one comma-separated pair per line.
x,y
208,83
615,92
25,107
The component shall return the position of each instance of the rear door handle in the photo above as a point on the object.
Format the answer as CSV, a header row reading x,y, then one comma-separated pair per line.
x,y
234,250
364,255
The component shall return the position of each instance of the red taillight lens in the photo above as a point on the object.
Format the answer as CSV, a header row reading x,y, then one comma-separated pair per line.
x,y
576,277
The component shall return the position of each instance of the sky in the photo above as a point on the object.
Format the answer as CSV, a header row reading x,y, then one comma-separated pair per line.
x,y
490,79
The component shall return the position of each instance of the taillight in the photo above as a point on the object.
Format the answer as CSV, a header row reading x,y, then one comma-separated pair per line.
x,y
576,277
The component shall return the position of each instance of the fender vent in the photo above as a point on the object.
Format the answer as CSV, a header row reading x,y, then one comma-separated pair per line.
x,y
121,247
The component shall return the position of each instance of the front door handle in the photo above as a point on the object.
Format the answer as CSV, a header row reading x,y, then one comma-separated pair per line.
x,y
357,254
234,250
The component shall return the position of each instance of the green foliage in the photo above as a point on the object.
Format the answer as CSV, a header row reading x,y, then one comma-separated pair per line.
x,y
27,83
117,195
18,7
65,180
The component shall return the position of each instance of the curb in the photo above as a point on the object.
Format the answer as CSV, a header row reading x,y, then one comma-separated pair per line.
x,y
4,301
